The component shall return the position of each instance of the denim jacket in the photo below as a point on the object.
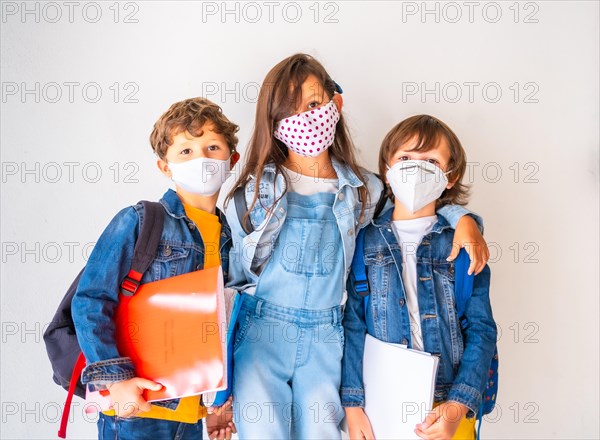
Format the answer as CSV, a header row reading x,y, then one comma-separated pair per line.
x,y
465,356
250,252
180,250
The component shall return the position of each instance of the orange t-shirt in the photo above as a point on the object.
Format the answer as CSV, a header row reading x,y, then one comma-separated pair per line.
x,y
210,229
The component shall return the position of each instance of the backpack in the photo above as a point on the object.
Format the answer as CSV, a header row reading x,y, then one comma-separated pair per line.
x,y
463,289
60,337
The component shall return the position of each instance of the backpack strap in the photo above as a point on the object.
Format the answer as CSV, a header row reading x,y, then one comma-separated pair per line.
x,y
145,246
463,289
77,370
359,270
463,284
241,207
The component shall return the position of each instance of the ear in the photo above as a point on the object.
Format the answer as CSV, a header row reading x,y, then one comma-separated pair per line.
x,y
338,101
235,157
451,184
163,166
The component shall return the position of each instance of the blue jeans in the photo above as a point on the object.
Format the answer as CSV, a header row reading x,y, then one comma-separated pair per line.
x,y
141,428
287,364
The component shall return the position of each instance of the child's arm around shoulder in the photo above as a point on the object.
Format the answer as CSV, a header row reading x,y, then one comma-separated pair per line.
x,y
468,234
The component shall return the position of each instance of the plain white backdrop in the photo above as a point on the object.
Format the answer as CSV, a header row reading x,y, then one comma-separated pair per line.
x,y
83,83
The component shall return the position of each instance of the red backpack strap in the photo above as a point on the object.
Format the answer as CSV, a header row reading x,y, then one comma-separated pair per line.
x,y
77,369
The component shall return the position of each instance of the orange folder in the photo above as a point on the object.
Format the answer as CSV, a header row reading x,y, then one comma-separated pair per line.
x,y
174,331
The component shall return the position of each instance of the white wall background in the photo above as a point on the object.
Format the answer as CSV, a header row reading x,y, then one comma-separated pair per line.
x,y
533,153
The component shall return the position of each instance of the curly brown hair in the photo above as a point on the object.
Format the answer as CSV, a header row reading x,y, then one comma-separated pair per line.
x,y
428,132
190,115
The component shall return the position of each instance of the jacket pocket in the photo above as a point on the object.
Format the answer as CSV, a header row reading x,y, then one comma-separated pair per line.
x,y
169,261
379,264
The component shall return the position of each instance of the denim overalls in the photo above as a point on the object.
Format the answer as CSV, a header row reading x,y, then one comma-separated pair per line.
x,y
288,352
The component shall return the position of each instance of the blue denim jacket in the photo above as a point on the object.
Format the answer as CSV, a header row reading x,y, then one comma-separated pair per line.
x,y
250,252
465,356
180,250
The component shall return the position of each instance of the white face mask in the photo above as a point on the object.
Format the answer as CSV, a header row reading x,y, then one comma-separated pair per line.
x,y
202,176
309,133
416,183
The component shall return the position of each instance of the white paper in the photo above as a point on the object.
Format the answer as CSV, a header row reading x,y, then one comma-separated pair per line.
x,y
399,385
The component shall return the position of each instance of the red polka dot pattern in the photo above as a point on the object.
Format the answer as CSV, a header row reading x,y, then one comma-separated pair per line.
x,y
305,141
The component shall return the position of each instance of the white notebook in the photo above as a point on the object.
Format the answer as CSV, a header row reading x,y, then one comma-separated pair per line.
x,y
399,386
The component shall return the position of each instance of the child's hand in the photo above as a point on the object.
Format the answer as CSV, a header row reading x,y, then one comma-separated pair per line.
x,y
127,396
442,422
359,427
467,235
219,422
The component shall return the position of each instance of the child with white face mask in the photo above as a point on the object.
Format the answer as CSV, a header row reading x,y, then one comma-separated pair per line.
x,y
423,163
196,147
306,199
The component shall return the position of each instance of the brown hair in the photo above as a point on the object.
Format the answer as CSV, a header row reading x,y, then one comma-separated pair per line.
x,y
280,93
428,132
190,115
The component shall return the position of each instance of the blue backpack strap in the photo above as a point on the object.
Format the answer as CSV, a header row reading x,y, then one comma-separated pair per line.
x,y
359,270
463,284
463,289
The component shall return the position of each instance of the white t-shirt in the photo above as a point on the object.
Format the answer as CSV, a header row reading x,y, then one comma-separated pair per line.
x,y
309,185
409,234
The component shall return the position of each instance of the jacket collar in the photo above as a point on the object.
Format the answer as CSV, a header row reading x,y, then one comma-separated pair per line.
x,y
172,204
384,221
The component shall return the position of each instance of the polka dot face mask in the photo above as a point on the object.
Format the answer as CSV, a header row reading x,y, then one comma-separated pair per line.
x,y
309,133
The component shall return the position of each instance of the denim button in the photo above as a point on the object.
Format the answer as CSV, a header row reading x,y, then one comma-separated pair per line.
x,y
198,267
379,257
223,234
191,226
341,196
404,341
402,302
167,251
351,232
